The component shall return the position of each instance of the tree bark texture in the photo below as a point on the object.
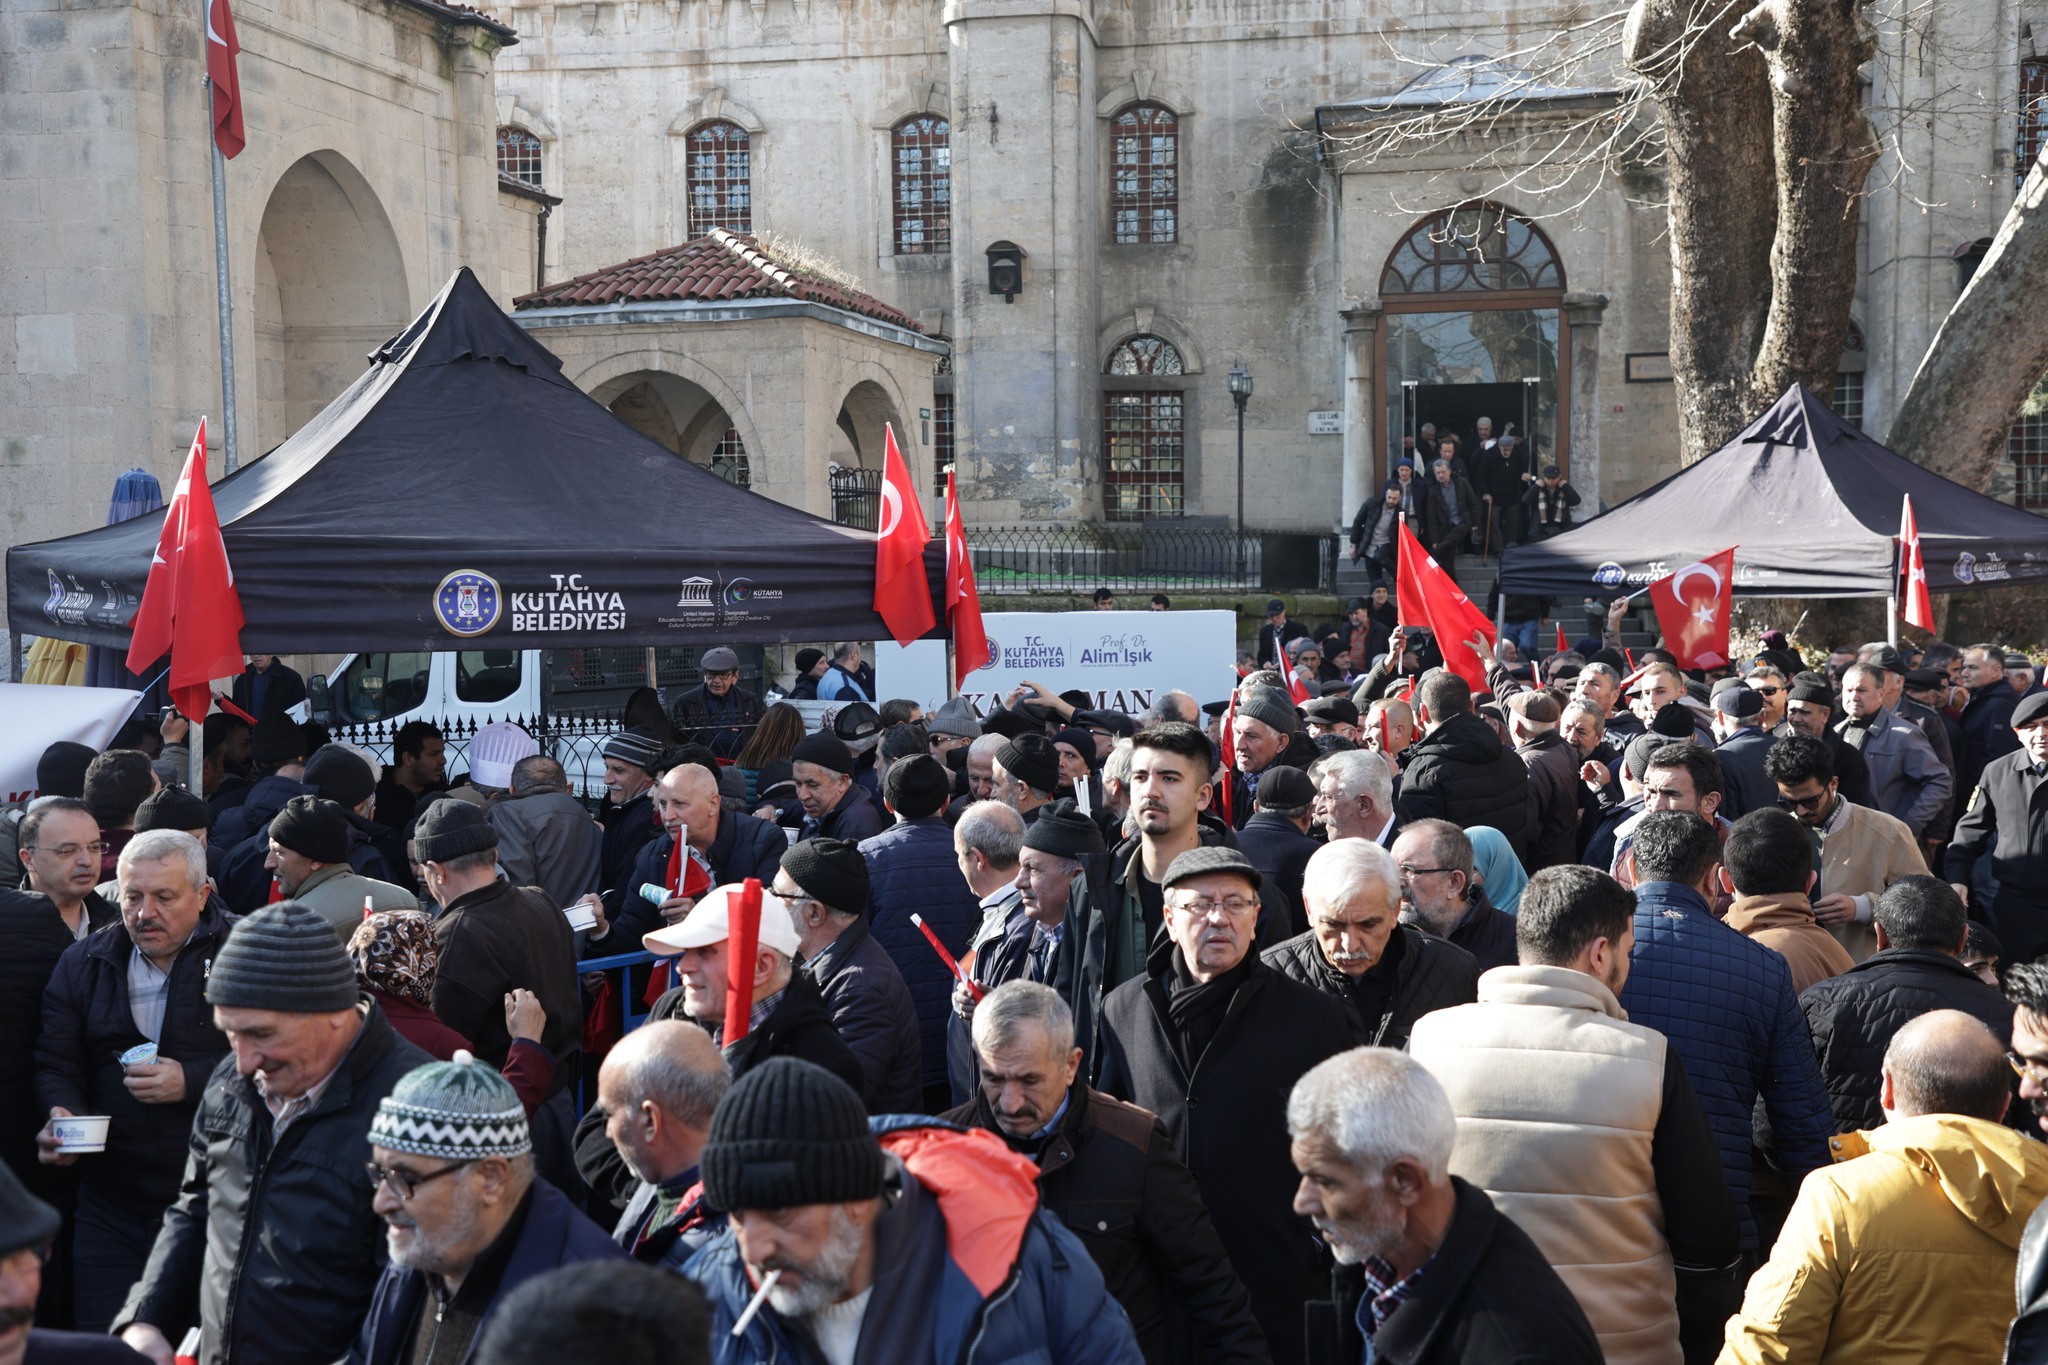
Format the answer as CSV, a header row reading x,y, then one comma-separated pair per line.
x,y
1991,351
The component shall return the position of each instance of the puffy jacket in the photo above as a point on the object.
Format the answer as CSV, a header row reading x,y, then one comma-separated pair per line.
x,y
549,840
554,1234
1429,973
275,1242
977,1273
1726,1006
1462,773
876,1018
743,847
1853,1017
1903,1254
912,869
1109,1173
87,1025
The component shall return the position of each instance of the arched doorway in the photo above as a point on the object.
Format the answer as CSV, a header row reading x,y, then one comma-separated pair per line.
x,y
330,288
682,416
1475,328
855,469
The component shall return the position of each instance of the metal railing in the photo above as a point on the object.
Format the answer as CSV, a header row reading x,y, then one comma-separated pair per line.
x,y
573,741
1152,556
856,497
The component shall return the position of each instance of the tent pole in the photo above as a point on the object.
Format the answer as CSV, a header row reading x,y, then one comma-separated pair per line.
x,y
1891,619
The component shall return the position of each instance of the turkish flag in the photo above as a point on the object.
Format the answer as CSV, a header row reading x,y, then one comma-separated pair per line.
x,y
1913,601
1694,607
1227,752
742,946
1299,690
1430,597
1561,645
190,609
963,599
902,596
221,73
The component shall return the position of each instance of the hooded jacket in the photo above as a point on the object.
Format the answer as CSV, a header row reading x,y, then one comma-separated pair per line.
x,y
1429,974
1905,1253
548,840
967,1268
1462,773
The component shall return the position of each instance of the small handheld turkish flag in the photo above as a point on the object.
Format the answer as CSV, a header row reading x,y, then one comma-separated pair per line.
x,y
963,599
1694,608
742,947
189,607
223,75
902,596
1914,604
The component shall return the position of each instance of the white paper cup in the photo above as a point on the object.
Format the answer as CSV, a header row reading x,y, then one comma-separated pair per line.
x,y
581,916
81,1133
142,1054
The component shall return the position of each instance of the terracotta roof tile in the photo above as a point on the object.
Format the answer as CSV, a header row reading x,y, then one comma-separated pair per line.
x,y
717,266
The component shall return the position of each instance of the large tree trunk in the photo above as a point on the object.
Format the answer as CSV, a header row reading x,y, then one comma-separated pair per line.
x,y
1714,99
1991,351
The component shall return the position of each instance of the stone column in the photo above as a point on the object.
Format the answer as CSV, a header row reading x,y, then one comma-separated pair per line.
x,y
1584,312
476,157
1361,406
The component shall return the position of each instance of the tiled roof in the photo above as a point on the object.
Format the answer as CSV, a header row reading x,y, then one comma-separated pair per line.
x,y
461,13
714,268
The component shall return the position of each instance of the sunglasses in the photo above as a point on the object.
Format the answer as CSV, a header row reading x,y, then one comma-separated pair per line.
x,y
1765,691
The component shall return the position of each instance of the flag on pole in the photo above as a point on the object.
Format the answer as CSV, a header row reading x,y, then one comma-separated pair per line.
x,y
1227,752
1914,605
1561,645
742,946
222,74
902,596
963,599
1694,608
189,608
1430,597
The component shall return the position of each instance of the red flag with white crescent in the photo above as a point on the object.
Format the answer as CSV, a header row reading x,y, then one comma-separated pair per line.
x,y
223,75
1430,597
1914,604
963,599
189,609
902,596
1694,609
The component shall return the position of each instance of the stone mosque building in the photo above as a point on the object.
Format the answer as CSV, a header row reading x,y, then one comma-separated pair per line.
x,y
1035,236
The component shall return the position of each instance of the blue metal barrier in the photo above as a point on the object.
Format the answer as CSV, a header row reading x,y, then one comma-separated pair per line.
x,y
632,1012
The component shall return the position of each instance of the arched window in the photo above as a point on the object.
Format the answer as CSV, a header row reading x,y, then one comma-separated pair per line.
x,y
518,155
1144,431
1144,187
921,150
1473,249
720,179
1847,399
729,459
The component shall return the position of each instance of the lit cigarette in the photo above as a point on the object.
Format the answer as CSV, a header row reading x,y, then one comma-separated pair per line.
x,y
754,1305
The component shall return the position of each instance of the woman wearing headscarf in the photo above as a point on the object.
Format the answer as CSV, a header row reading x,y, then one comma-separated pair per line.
x,y
397,957
1500,872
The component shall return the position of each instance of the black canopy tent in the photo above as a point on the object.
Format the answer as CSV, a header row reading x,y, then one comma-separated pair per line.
x,y
462,489
1811,503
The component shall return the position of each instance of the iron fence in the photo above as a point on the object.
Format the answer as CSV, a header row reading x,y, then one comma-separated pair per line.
x,y
573,741
857,497
1151,556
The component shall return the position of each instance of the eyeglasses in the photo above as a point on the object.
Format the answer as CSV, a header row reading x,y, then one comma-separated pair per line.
x,y
1201,907
1410,873
2031,1071
406,1184
69,850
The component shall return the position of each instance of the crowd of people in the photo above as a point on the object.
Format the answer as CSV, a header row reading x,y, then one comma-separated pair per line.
x,y
1614,1013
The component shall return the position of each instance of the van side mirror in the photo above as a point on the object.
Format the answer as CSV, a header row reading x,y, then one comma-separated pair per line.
x,y
317,698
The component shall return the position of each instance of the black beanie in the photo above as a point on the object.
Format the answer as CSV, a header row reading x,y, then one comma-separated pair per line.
x,y
827,751
917,787
1080,741
807,659
1812,688
312,827
1674,721
1061,829
1032,760
450,828
61,769
283,957
171,808
1008,724
789,1133
276,741
340,776
831,870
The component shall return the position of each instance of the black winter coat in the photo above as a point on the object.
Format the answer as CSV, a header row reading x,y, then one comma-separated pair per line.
x,y
1279,849
497,938
743,847
2026,1343
1555,787
2007,821
1487,933
1462,773
1488,1298
627,829
1853,1017
722,724
275,1241
1110,1174
1429,974
1986,724
36,938
87,1025
1745,786
876,1019
1228,1120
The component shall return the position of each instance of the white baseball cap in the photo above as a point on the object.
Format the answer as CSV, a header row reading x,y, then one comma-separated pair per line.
x,y
709,922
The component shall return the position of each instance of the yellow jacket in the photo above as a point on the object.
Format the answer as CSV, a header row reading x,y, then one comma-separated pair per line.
x,y
1904,1254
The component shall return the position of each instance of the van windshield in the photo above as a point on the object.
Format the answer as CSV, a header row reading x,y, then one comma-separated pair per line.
x,y
379,686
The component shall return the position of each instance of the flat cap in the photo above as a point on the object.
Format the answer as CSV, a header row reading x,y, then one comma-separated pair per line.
x,y
2031,709
1284,788
718,659
1739,703
1200,862
1332,710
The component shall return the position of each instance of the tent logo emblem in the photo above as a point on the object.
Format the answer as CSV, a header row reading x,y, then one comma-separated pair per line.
x,y
1966,568
1610,575
696,593
67,606
467,602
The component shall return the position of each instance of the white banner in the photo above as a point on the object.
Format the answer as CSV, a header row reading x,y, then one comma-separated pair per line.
x,y
1122,659
33,717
